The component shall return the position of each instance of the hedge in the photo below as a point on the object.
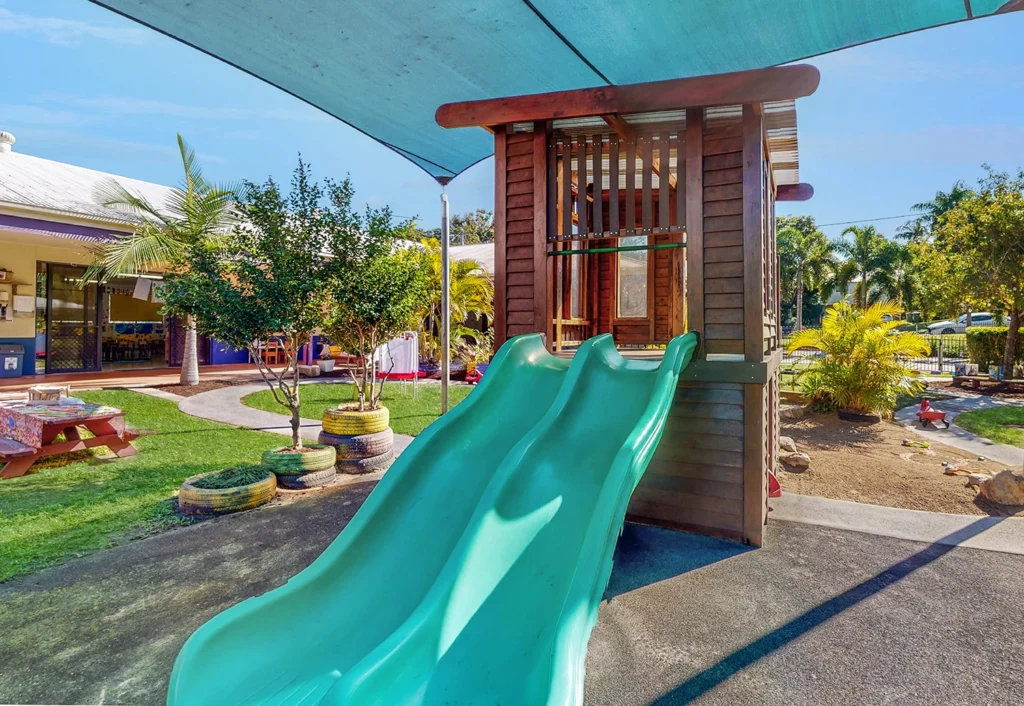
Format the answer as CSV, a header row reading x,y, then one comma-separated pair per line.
x,y
985,345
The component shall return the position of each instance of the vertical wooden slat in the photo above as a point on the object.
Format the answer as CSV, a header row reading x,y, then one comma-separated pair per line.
x,y
647,181
613,184
581,184
552,164
500,289
753,265
630,186
541,320
598,151
566,176
694,145
681,180
664,182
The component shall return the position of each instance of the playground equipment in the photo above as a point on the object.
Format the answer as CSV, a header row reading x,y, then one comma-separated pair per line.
x,y
473,572
928,414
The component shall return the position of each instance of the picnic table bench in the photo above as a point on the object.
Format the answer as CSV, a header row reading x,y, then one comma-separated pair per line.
x,y
31,431
976,380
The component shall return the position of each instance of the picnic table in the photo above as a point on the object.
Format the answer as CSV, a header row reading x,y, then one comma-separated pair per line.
x,y
29,431
976,380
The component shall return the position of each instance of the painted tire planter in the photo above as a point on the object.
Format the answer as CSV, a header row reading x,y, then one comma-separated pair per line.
x,y
220,501
305,481
366,465
317,457
360,446
352,422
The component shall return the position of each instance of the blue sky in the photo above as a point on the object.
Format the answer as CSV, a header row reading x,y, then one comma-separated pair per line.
x,y
892,122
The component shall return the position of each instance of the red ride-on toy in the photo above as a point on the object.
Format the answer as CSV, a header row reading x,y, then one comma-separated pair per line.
x,y
927,414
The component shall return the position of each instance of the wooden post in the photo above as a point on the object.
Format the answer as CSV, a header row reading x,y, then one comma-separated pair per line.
x,y
694,146
500,262
541,320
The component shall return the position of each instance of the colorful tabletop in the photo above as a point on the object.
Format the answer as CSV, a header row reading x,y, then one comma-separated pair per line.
x,y
27,422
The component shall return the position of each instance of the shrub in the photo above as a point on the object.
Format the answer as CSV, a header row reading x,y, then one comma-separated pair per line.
x,y
231,477
863,367
986,344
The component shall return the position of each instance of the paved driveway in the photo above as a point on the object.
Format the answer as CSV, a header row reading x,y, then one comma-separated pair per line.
x,y
820,616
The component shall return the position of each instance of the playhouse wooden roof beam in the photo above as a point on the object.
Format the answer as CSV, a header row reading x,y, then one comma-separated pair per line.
x,y
757,86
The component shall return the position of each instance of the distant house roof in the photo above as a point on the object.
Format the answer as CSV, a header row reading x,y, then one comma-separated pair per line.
x,y
64,189
482,253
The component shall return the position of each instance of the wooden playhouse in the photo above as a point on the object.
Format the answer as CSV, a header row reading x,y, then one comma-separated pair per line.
x,y
646,211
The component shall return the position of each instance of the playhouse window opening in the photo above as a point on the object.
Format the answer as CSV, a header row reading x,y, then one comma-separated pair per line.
x,y
632,284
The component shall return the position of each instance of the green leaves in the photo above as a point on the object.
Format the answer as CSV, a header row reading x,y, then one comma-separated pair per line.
x,y
863,367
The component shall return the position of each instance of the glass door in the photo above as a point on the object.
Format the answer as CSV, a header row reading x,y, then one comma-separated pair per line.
x,y
72,320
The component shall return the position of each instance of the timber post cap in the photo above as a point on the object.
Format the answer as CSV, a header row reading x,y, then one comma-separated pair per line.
x,y
777,83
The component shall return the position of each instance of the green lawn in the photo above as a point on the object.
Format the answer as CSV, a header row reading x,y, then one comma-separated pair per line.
x,y
409,414
991,424
79,503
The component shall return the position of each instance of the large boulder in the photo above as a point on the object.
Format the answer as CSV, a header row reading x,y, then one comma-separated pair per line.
x,y
786,443
793,412
1004,488
795,462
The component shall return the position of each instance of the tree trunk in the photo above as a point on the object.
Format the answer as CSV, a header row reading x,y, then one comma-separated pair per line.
x,y
190,355
799,300
1009,354
296,420
295,400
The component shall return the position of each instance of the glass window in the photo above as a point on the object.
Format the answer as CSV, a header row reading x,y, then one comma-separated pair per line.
x,y
632,285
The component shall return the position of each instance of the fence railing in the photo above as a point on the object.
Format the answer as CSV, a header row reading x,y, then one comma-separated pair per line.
x,y
947,350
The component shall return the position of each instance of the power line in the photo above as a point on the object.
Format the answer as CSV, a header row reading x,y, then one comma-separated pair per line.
x,y
869,220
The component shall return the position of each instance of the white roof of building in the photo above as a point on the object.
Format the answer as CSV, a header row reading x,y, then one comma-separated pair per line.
x,y
34,182
482,253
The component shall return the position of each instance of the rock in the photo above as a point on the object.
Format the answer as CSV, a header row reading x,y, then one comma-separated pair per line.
x,y
976,479
795,462
793,412
786,443
1004,488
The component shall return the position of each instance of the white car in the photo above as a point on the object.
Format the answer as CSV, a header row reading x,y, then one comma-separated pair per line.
x,y
981,318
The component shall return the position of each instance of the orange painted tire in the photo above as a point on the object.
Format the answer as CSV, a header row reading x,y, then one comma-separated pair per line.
x,y
352,422
220,501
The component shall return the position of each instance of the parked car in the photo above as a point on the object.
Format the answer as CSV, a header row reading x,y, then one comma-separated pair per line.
x,y
981,318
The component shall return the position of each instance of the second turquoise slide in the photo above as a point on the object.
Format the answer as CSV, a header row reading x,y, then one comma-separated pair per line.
x,y
473,572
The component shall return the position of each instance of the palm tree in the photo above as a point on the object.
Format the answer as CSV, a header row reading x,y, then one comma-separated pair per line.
x,y
195,212
897,279
808,262
864,264
943,202
472,292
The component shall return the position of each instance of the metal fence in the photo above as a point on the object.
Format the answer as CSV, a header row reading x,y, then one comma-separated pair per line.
x,y
947,350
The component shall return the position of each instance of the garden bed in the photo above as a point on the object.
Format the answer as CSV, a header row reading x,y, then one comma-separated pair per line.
x,y
867,463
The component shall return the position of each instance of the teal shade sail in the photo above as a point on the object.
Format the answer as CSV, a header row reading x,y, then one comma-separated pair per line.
x,y
384,66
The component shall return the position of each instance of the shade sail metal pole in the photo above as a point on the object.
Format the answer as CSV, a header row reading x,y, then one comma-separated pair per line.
x,y
446,313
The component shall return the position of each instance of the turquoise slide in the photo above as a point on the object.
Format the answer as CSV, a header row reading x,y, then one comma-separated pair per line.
x,y
473,572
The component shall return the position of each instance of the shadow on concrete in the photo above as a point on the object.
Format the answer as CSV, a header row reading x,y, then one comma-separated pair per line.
x,y
646,555
716,674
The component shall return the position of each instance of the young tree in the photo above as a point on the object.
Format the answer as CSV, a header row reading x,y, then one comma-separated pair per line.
x,y
197,213
865,262
472,228
266,279
984,234
373,296
806,262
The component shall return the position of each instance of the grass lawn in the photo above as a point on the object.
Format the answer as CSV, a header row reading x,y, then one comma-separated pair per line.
x,y
992,424
79,503
409,415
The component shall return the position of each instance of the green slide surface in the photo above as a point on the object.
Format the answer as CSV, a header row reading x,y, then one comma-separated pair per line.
x,y
473,572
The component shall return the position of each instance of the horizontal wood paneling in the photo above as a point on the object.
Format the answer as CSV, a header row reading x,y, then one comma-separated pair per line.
x,y
518,213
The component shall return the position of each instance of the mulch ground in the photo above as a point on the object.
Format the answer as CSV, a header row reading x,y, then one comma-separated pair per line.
x,y
205,386
993,389
867,463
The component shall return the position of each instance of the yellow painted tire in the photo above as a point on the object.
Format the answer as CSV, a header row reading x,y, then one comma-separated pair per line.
x,y
220,501
316,457
352,422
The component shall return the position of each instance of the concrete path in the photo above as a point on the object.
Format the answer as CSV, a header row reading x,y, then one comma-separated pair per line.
x,y
959,437
159,394
997,534
225,405
819,616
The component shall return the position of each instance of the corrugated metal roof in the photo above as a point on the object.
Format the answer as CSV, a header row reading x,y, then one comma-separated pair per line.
x,y
482,253
67,189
